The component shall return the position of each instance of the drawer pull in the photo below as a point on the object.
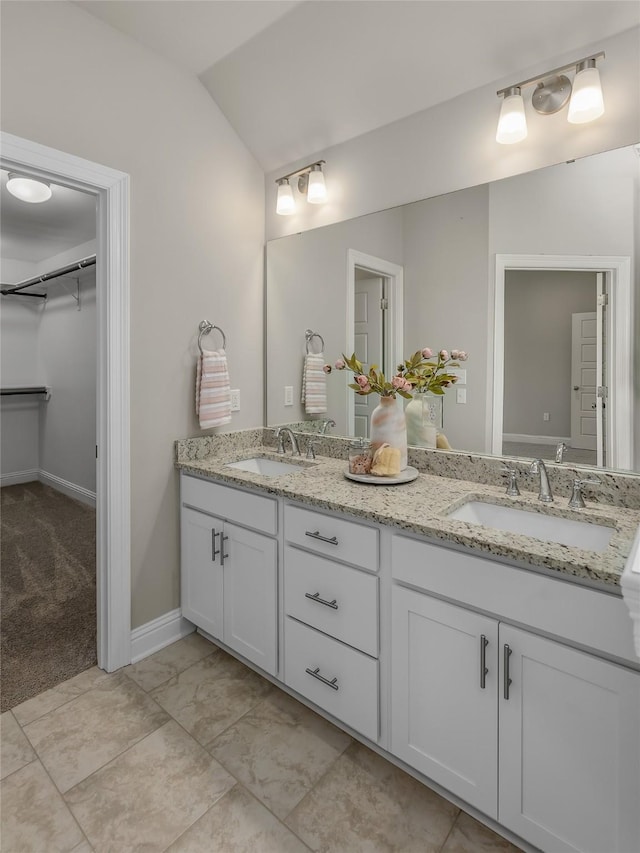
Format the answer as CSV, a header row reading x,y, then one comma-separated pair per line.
x,y
223,556
214,551
316,597
333,684
316,535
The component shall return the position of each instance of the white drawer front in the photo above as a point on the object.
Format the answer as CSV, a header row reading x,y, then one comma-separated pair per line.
x,y
355,701
340,601
254,511
334,537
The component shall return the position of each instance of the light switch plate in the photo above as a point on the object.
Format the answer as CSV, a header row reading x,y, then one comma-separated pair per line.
x,y
288,395
235,399
461,395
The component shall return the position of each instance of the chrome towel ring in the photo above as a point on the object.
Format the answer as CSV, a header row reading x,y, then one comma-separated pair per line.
x,y
206,327
309,335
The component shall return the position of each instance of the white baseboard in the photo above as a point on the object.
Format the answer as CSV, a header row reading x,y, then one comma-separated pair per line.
x,y
158,633
535,439
79,493
19,477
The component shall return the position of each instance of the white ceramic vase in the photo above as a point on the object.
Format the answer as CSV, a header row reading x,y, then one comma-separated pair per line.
x,y
423,414
388,426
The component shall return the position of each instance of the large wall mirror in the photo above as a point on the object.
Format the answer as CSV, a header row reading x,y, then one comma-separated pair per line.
x,y
535,276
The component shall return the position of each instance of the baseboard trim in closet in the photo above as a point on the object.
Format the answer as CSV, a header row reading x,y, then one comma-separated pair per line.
x,y
160,632
79,493
18,477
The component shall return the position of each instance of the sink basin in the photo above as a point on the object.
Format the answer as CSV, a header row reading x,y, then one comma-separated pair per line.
x,y
549,528
268,467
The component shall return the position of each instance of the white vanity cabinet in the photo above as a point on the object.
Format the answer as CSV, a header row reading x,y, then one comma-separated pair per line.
x,y
229,573
444,678
467,688
331,630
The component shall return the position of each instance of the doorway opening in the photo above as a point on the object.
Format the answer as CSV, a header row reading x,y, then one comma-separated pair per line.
x,y
110,191
562,358
374,326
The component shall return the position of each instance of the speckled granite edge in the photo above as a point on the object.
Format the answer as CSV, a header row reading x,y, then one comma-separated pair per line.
x,y
616,488
422,507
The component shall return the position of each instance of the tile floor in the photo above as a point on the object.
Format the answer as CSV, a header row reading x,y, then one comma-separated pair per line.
x,y
189,751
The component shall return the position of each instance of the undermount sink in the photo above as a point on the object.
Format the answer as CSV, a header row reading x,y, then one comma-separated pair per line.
x,y
587,535
268,467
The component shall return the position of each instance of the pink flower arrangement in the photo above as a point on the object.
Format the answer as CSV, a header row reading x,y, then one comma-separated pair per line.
x,y
417,372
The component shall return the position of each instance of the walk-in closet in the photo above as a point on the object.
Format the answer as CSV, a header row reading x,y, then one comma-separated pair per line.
x,y
48,439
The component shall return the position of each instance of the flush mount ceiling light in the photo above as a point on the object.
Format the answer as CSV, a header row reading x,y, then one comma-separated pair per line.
x,y
553,90
28,189
310,183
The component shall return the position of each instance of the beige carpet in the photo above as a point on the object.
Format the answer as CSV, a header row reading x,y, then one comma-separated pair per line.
x,y
48,590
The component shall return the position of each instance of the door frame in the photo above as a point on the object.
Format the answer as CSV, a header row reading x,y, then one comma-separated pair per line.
x,y
619,334
113,565
394,329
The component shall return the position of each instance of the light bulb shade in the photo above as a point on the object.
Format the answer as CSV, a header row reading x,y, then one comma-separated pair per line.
x,y
28,189
316,189
586,102
285,205
512,124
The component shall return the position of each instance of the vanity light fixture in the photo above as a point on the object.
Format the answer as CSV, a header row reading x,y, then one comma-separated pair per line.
x,y
28,189
310,183
552,92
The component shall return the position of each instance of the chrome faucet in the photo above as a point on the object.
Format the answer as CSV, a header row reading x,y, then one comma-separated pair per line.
x,y
329,422
280,435
560,449
538,467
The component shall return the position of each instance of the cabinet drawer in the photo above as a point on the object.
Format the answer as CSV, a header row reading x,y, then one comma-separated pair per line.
x,y
340,601
249,510
333,537
352,697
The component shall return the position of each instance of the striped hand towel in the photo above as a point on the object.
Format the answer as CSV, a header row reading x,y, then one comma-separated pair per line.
x,y
213,389
314,384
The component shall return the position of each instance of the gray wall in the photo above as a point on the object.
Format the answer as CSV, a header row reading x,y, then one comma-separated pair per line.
x,y
197,234
538,305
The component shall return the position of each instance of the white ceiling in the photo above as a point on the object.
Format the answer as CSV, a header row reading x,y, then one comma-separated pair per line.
x,y
35,232
296,77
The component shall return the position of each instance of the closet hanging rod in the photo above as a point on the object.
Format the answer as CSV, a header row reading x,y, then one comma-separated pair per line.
x,y
9,290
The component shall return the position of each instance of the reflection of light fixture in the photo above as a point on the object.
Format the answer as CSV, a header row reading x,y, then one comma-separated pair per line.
x,y
28,189
310,183
552,92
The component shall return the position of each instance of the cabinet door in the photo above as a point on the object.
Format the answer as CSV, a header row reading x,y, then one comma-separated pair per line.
x,y
250,596
569,747
444,707
201,574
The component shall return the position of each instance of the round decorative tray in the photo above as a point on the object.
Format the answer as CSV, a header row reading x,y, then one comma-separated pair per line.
x,y
405,476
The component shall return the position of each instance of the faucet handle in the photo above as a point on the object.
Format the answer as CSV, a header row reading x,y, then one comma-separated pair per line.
x,y
512,485
576,501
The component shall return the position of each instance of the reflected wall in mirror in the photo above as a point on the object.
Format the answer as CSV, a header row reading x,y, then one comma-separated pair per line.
x,y
447,248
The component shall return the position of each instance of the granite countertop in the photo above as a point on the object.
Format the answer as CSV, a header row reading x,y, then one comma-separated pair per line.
x,y
422,506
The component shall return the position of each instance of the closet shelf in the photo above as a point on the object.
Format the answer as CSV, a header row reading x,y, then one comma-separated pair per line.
x,y
24,390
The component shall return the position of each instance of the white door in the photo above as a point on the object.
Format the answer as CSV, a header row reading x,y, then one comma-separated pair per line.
x,y
586,342
201,571
444,705
569,748
368,337
250,596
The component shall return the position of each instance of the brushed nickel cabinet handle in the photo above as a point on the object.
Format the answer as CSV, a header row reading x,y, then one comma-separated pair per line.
x,y
483,661
507,681
316,535
316,597
223,556
333,684
214,551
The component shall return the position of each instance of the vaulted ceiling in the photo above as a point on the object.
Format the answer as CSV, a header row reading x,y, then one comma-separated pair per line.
x,y
296,77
